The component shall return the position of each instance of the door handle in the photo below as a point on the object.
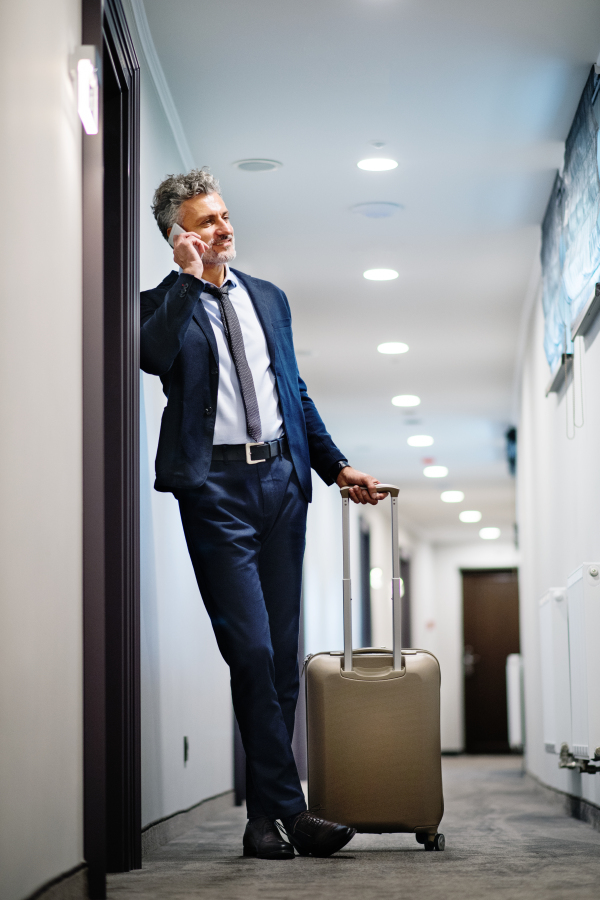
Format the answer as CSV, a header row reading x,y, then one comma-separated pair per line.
x,y
470,658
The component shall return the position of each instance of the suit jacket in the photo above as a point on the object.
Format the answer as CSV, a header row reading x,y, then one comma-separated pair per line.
x,y
178,343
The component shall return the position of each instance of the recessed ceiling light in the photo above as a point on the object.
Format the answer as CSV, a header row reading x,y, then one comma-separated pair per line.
x,y
377,210
452,496
257,165
378,164
470,515
393,347
489,534
406,400
380,274
435,471
420,440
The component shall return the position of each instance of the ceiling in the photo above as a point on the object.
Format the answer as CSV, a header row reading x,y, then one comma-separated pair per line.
x,y
474,99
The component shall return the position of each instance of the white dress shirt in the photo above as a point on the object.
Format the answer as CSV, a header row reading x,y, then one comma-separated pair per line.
x,y
230,425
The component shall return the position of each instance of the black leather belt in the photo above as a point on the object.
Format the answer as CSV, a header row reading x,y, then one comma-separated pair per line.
x,y
250,453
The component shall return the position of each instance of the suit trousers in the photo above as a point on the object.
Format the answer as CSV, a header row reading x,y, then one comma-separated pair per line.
x,y
245,530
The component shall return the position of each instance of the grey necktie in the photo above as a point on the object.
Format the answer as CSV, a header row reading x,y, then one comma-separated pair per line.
x,y
235,340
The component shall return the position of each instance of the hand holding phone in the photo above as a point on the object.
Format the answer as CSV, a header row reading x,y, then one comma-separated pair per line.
x,y
188,253
175,230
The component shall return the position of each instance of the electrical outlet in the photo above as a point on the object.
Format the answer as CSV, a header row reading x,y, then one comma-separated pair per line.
x,y
186,750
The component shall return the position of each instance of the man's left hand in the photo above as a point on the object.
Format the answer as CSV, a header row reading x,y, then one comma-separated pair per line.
x,y
356,480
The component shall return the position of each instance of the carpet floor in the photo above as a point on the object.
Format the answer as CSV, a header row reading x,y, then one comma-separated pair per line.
x,y
505,840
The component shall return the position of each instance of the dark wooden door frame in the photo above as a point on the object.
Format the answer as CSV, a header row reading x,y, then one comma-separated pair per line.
x,y
112,801
94,681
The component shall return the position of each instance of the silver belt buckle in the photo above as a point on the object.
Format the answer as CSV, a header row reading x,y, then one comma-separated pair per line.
x,y
249,460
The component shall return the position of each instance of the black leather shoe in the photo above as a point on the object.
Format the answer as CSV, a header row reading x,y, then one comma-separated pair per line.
x,y
312,836
262,840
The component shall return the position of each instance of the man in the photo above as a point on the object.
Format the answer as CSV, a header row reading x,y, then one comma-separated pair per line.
x,y
238,438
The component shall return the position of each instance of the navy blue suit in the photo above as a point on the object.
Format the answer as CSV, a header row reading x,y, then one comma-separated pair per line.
x,y
178,343
244,525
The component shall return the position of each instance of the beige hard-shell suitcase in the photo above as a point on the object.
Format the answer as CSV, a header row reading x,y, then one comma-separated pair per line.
x,y
373,723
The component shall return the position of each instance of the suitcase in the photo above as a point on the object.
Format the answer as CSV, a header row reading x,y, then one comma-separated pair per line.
x,y
373,725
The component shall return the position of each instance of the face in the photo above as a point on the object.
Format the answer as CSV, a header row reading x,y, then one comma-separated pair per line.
x,y
207,215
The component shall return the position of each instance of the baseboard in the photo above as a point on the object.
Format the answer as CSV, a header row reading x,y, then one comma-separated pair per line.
x,y
164,830
573,806
71,885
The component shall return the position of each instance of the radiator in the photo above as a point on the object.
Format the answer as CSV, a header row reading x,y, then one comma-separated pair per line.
x,y
583,590
556,683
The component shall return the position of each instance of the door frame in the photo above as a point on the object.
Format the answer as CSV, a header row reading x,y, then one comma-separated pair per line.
x,y
482,571
110,298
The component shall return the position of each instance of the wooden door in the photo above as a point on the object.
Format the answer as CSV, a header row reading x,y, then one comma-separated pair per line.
x,y
491,632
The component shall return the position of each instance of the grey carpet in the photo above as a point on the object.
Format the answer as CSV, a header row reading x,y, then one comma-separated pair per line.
x,y
505,840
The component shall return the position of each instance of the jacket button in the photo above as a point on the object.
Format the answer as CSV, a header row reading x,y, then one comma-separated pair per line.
x,y
214,371
208,410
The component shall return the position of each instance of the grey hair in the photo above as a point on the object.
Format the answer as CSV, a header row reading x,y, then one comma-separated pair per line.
x,y
174,190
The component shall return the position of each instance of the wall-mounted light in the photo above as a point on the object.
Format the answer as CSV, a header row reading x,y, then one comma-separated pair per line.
x,y
376,578
85,70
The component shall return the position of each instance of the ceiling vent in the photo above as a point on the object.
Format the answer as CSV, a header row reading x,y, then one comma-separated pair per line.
x,y
257,165
377,210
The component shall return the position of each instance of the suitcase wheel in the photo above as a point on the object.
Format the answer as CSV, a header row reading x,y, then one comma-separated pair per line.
x,y
438,843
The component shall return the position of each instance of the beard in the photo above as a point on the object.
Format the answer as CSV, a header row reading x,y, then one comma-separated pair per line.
x,y
213,258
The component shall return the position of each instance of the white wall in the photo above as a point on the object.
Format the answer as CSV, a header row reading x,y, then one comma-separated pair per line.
x,y
185,683
40,451
559,525
322,577
322,581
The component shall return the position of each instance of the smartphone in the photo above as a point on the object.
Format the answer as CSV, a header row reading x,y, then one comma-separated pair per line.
x,y
175,230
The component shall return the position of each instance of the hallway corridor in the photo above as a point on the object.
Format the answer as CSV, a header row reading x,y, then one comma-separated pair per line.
x,y
504,837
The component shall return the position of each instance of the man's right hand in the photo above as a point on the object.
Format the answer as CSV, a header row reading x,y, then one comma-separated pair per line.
x,y
187,253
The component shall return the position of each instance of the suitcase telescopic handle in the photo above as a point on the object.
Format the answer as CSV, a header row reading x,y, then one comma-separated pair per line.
x,y
393,491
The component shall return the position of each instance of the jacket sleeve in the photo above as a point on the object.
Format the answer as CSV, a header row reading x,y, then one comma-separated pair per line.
x,y
323,452
164,324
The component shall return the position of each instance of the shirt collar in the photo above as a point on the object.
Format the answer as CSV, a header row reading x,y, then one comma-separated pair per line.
x,y
229,276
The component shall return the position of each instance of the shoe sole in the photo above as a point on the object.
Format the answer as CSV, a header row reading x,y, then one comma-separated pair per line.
x,y
275,856
334,846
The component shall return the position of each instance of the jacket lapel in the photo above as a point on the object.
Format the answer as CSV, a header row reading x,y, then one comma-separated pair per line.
x,y
201,319
261,304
